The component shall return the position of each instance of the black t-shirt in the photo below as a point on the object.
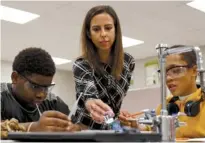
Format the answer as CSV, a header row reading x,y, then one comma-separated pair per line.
x,y
12,108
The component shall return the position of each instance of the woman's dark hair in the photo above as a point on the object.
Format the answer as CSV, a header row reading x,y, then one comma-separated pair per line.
x,y
89,51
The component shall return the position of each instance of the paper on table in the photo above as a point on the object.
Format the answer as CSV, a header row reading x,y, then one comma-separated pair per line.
x,y
197,139
98,131
131,119
190,140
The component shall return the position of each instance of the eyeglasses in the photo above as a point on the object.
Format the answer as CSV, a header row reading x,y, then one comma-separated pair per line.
x,y
177,71
37,87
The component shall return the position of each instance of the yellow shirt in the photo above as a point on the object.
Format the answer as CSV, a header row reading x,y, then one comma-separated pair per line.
x,y
195,126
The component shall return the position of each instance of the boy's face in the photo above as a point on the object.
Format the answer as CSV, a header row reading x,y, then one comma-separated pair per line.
x,y
33,88
179,76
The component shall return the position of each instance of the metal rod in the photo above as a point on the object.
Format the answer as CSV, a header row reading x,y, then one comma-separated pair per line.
x,y
200,68
160,49
163,86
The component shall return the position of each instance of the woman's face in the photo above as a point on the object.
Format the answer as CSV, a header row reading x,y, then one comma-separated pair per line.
x,y
102,31
179,77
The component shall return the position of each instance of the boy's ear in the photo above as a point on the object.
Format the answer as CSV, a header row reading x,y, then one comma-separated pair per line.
x,y
195,72
14,77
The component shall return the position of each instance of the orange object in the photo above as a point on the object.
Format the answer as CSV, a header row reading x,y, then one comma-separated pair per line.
x,y
182,139
136,114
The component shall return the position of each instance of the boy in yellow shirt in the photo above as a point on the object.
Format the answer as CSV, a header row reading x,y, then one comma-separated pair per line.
x,y
181,73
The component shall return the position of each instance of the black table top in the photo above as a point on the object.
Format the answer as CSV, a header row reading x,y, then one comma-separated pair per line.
x,y
89,136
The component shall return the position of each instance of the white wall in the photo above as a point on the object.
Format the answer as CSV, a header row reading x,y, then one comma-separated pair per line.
x,y
64,82
139,73
140,97
65,87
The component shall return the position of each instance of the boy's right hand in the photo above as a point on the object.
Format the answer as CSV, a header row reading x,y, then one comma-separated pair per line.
x,y
52,121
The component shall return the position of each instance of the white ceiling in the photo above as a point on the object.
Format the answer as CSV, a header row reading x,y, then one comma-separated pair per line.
x,y
59,26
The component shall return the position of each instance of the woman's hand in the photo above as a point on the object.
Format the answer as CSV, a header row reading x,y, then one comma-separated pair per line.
x,y
97,109
124,115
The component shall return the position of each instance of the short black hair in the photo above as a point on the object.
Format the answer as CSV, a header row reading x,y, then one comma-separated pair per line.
x,y
189,57
34,60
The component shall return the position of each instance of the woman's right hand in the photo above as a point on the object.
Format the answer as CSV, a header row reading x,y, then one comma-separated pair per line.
x,y
97,109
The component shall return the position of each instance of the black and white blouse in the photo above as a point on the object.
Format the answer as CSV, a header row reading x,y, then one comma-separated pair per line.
x,y
106,87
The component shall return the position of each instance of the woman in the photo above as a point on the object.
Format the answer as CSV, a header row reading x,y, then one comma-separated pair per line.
x,y
181,73
103,72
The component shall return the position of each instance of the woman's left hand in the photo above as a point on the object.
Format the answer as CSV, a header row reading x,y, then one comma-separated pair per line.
x,y
97,109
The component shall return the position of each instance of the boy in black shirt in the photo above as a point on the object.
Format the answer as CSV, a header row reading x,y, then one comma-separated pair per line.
x,y
29,98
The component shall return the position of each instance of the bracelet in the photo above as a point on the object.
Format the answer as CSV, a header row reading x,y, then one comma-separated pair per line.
x,y
29,126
